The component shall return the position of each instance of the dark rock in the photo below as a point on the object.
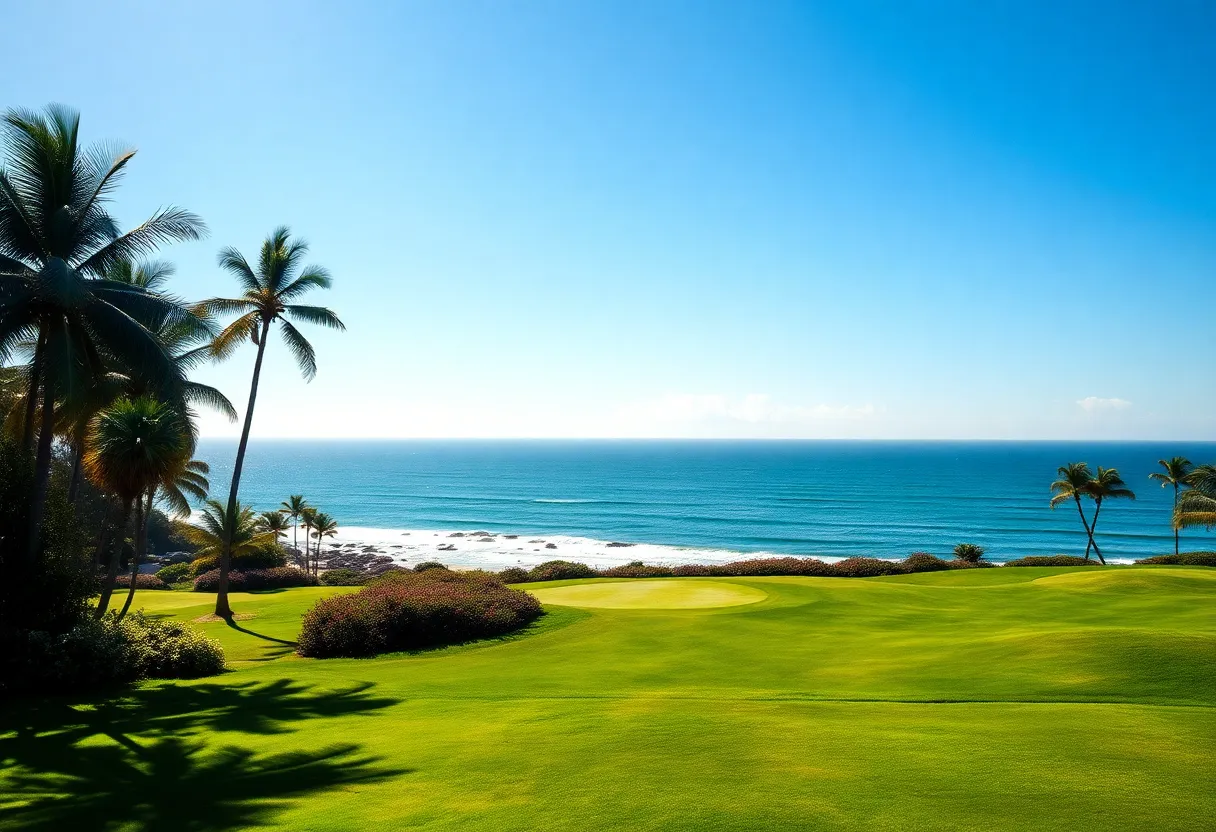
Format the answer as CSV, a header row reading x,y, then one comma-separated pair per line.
x,y
550,545
615,545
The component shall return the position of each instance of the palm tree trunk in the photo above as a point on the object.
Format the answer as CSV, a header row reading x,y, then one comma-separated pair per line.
x,y
1175,527
295,537
77,454
42,467
222,609
142,516
1089,534
107,590
31,395
1093,529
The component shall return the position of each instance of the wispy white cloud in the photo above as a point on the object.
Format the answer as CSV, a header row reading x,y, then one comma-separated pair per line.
x,y
1094,404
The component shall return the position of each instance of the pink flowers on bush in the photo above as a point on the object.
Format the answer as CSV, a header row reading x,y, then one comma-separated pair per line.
x,y
275,577
142,581
412,610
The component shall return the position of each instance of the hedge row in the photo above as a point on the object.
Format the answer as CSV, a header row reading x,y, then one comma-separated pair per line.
x,y
276,577
404,610
1184,559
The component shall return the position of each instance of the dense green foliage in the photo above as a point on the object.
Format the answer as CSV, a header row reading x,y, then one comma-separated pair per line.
x,y
175,573
1184,559
1010,700
1051,560
343,577
412,610
275,577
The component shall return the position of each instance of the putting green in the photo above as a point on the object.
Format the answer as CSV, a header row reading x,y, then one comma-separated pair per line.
x,y
660,594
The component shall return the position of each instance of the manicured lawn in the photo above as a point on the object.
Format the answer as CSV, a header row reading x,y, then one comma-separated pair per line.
x,y
1020,699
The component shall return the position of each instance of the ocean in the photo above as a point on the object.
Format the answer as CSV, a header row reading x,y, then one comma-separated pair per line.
x,y
707,501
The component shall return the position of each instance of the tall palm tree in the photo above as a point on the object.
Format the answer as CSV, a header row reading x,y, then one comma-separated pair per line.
x,y
1197,507
293,506
308,519
131,446
1176,470
215,532
1106,485
324,526
267,297
57,240
1073,483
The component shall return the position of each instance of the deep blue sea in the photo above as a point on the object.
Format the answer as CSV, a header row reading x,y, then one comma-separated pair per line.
x,y
703,501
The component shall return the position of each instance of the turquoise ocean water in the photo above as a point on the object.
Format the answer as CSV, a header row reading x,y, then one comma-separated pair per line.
x,y
702,501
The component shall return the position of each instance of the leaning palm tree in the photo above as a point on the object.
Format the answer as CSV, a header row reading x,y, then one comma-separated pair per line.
x,y
323,526
1106,485
130,447
267,297
1176,470
215,530
292,507
57,241
1073,483
1197,507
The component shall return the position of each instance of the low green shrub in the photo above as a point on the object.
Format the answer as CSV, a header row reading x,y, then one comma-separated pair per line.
x,y
427,565
560,570
924,562
969,552
175,573
1052,560
513,575
414,610
142,581
278,577
343,577
103,653
267,558
1184,559
638,570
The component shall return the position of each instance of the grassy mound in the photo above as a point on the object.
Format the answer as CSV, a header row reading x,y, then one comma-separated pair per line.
x,y
673,594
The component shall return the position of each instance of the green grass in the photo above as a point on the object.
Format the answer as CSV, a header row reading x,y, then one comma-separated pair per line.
x,y
1027,699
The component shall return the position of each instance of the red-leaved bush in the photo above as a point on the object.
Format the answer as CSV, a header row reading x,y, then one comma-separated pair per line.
x,y
277,577
638,570
142,581
412,610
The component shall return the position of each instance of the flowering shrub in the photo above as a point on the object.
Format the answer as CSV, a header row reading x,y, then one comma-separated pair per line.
x,y
638,570
142,581
243,581
175,573
95,654
1053,560
513,575
1184,559
408,611
924,562
560,570
865,568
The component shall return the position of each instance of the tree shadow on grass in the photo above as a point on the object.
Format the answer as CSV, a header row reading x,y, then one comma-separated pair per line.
x,y
231,622
143,760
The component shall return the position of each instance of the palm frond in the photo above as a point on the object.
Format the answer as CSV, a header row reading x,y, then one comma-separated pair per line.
x,y
318,315
168,225
233,262
233,335
301,350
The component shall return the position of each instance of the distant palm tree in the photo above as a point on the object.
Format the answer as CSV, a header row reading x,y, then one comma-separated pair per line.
x,y
210,531
266,298
293,506
57,240
1176,470
323,526
1197,507
308,519
1106,485
131,447
274,521
1073,484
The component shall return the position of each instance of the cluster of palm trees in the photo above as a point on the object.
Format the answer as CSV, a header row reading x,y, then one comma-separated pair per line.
x,y
95,354
317,525
1194,494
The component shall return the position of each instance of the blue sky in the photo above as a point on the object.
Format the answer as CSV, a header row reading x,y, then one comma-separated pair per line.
x,y
851,219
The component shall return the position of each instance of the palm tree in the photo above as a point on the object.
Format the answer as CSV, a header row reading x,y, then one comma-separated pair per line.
x,y
293,506
308,519
131,446
1176,470
1106,485
274,521
1197,507
215,531
57,240
323,526
1073,483
266,298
